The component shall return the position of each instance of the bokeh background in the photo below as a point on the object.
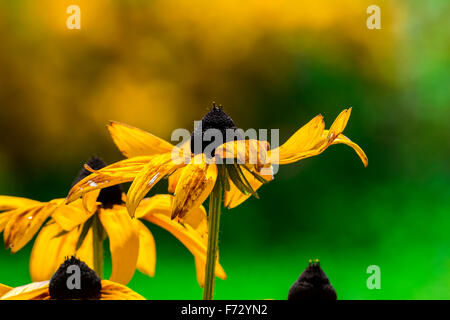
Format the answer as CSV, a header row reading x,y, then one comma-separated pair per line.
x,y
158,65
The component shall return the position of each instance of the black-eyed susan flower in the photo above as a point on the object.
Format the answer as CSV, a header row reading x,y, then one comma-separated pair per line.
x,y
90,286
207,172
313,284
81,227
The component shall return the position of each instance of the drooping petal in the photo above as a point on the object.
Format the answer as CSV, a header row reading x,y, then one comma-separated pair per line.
x,y
196,183
11,203
51,247
147,250
312,140
4,218
123,242
200,266
115,291
133,142
191,231
23,224
159,167
300,144
32,291
341,139
116,173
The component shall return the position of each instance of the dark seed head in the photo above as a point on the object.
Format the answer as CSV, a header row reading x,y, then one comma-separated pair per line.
x,y
108,196
74,280
217,119
313,284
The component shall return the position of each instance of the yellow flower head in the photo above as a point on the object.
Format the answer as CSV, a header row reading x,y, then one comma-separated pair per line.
x,y
150,159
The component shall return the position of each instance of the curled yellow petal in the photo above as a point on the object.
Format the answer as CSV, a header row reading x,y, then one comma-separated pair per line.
x,y
147,250
196,183
133,142
115,291
11,203
156,169
123,242
312,139
300,144
116,173
344,140
23,224
32,291
173,180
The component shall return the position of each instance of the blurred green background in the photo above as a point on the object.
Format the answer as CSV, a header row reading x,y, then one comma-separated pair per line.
x,y
158,65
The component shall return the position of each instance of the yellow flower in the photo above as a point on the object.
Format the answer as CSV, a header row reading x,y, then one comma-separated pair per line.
x,y
149,160
81,226
90,287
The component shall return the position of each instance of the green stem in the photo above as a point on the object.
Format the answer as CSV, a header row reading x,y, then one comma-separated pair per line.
x,y
98,237
215,204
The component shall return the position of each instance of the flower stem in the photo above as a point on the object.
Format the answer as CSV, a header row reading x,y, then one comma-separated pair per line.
x,y
97,238
215,204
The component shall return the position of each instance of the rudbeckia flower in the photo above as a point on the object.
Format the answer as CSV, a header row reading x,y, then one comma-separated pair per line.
x,y
90,287
81,227
237,167
149,160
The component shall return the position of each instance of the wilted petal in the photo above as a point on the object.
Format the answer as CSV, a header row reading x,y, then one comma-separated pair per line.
x,y
159,167
23,223
344,140
196,183
116,173
123,243
253,152
133,142
11,203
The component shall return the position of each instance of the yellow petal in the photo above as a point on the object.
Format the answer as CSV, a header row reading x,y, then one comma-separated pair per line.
x,y
300,144
68,216
51,247
196,183
339,124
252,152
147,250
173,180
133,142
116,291
23,224
32,291
4,289
159,167
344,140
312,140
11,203
123,242
200,265
116,173
4,218
158,209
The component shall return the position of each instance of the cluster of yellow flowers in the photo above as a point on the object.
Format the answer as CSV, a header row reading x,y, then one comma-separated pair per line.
x,y
96,208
